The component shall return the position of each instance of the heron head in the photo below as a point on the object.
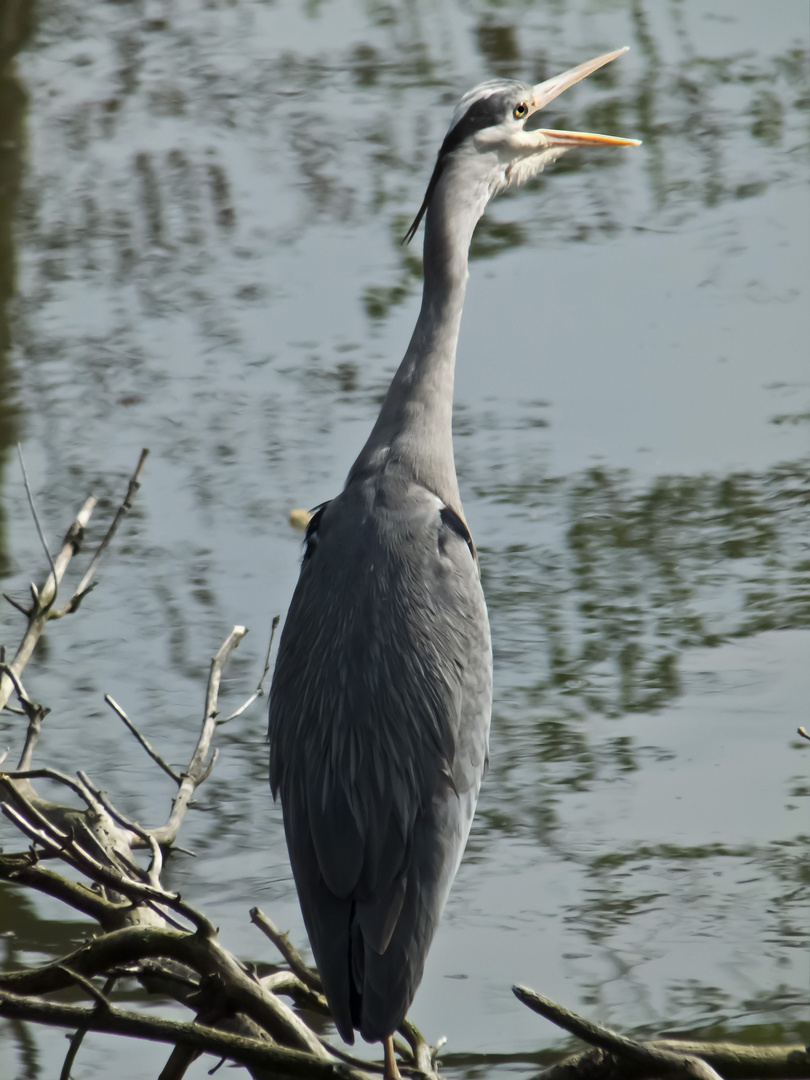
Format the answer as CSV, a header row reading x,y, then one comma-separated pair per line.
x,y
497,123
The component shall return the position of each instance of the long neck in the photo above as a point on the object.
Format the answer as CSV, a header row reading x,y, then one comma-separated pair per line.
x,y
413,432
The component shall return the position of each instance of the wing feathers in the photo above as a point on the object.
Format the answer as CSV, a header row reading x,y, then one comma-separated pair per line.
x,y
379,720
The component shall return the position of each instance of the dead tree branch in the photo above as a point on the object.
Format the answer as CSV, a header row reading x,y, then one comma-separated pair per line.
x,y
617,1056
259,691
35,516
307,975
153,754
85,585
38,613
246,1051
198,768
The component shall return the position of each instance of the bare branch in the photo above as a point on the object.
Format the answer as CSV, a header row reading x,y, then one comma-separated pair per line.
x,y
84,585
423,1054
660,1061
156,865
25,869
35,713
67,848
304,985
140,837
199,768
203,955
89,986
38,615
58,777
39,836
144,743
217,666
259,691
35,718
733,1062
62,824
24,610
285,1064
78,1038
35,516
282,942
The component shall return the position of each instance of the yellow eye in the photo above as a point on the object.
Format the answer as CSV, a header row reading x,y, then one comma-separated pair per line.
x,y
520,110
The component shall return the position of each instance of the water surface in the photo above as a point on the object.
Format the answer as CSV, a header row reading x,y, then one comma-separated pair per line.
x,y
200,213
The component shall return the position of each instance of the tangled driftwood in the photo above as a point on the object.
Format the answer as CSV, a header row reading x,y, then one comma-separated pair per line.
x,y
155,937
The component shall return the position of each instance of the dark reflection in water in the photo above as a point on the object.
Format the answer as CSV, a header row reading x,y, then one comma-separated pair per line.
x,y
16,21
209,256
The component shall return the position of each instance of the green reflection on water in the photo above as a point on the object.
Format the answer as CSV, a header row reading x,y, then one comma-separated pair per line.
x,y
644,573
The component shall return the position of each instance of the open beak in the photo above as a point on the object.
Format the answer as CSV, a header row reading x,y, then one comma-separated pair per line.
x,y
546,91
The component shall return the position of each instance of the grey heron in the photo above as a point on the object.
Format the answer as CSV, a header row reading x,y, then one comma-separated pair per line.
x,y
381,696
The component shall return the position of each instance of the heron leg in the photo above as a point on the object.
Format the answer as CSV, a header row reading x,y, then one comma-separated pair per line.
x,y
390,1071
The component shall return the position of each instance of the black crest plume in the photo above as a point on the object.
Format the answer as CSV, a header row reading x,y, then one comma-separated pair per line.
x,y
484,112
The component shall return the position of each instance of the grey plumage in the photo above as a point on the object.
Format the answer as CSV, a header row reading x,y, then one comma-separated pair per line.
x,y
381,696
378,803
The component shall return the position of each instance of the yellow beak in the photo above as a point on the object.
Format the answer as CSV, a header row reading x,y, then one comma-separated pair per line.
x,y
546,91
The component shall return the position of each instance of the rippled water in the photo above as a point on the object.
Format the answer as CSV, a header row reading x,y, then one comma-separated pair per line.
x,y
200,213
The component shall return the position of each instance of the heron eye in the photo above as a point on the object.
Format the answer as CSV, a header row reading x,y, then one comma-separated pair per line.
x,y
520,110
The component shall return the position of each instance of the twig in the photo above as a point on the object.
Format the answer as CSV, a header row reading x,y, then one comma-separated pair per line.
x,y
35,713
158,977
57,777
153,754
38,615
199,768
217,665
282,942
156,865
29,707
140,838
182,1058
14,603
94,992
801,731
39,527
84,586
661,1061
19,689
39,836
68,849
35,719
102,836
285,982
78,1038
138,832
259,691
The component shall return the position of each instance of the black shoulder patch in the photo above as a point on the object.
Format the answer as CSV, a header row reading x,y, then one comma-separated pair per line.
x,y
455,522
311,537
